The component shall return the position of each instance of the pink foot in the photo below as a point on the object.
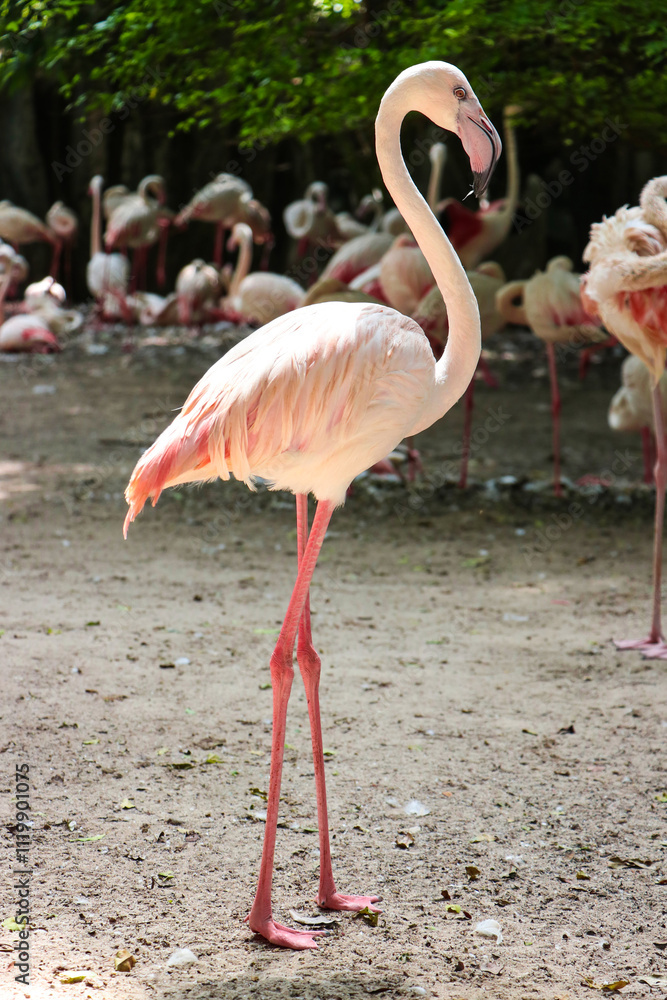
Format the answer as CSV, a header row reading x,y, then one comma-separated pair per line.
x,y
651,648
341,901
283,936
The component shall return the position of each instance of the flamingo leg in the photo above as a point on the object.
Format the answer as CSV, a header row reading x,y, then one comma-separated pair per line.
x,y
488,376
55,258
655,647
219,241
261,918
161,269
467,430
648,455
555,417
588,352
309,665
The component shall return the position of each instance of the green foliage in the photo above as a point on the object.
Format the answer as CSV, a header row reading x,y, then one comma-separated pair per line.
x,y
267,69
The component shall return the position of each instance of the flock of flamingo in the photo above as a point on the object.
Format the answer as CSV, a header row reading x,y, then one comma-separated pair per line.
x,y
381,346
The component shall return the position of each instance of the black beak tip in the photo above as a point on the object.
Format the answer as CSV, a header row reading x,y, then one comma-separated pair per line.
x,y
481,182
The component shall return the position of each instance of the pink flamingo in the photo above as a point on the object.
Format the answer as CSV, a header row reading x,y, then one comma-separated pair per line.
x,y
475,235
65,224
431,314
225,201
138,221
261,296
550,304
18,226
627,285
197,288
23,332
107,274
356,256
631,408
314,398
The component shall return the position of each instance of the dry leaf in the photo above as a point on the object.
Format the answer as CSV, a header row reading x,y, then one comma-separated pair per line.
x,y
616,862
404,840
124,961
127,804
472,872
606,987
369,916
486,838
583,875
654,980
77,976
323,920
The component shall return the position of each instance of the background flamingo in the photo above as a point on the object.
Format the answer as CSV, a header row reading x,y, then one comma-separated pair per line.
x,y
65,224
197,289
259,297
431,314
225,201
107,274
22,332
19,227
136,223
550,304
312,400
631,408
627,285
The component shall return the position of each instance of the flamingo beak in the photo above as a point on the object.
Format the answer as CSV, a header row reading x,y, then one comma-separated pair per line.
x,y
483,146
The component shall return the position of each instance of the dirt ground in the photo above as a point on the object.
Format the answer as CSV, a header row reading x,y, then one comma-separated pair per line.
x,y
467,669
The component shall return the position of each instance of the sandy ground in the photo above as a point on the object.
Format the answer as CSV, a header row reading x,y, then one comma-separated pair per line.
x,y
467,668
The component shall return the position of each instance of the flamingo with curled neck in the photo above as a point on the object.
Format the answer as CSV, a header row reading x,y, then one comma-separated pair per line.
x,y
314,398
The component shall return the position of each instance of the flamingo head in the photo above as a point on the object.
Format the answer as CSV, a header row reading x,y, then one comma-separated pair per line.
x,y
442,92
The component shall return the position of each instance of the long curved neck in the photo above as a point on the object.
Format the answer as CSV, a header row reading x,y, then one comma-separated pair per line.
x,y
457,365
96,220
5,282
438,156
507,305
242,261
512,192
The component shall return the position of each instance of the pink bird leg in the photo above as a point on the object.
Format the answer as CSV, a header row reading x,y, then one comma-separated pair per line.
x,y
467,428
588,352
648,452
260,917
655,647
555,416
488,376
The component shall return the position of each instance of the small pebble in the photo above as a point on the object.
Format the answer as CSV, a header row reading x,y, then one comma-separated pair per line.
x,y
181,957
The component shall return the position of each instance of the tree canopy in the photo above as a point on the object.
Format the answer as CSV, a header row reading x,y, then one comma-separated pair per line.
x,y
269,69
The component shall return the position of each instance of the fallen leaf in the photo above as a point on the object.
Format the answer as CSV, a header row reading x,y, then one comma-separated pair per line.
x,y
458,911
182,765
124,961
493,968
260,793
472,872
529,732
583,875
445,894
74,977
90,624
127,804
662,797
87,840
616,862
369,916
165,875
654,980
323,920
485,838
213,759
404,840
11,925
89,743
265,687
606,987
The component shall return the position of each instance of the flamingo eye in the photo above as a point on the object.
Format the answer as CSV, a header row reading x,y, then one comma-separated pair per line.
x,y
459,93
